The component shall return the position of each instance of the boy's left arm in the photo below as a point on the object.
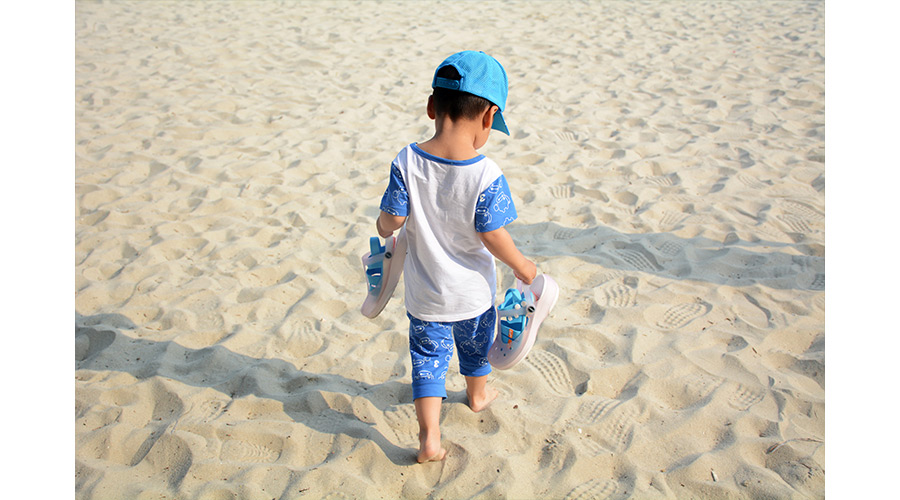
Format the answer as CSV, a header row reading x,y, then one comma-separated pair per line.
x,y
501,245
386,224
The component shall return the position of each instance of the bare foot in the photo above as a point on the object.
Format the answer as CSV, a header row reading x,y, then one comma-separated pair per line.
x,y
424,458
482,400
430,451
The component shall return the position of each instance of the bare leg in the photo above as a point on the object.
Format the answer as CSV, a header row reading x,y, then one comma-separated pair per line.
x,y
480,395
428,412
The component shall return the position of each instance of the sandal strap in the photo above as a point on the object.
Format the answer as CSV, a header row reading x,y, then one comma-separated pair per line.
x,y
375,246
514,315
375,266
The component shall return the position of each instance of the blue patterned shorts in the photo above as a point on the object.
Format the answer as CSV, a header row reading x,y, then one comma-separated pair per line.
x,y
431,348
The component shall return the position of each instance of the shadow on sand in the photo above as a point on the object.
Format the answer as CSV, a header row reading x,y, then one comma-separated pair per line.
x,y
303,394
732,262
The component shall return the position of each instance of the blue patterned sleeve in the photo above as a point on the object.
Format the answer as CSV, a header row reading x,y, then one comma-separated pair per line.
x,y
495,207
395,200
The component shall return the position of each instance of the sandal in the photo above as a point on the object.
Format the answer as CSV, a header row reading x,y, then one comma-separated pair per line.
x,y
383,266
520,315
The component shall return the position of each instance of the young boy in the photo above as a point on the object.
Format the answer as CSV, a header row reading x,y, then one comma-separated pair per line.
x,y
455,204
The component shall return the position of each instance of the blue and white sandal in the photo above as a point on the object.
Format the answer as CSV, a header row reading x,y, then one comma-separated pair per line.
x,y
520,315
383,266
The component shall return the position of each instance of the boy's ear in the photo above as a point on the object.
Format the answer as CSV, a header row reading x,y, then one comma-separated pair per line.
x,y
430,108
487,120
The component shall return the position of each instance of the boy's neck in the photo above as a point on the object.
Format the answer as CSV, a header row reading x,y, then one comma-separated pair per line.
x,y
453,140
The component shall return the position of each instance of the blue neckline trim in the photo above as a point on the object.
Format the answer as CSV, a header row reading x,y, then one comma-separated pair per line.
x,y
456,163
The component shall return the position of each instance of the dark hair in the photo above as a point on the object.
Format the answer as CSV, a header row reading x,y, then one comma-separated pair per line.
x,y
454,103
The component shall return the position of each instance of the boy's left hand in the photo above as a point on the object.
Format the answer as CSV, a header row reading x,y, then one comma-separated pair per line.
x,y
527,272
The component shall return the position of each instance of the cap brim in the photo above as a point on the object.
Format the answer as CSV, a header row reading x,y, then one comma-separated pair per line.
x,y
500,123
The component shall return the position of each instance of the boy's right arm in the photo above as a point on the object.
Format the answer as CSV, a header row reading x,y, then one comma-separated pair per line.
x,y
501,245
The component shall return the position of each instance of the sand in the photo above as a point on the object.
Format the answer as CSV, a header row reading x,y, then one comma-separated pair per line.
x,y
667,164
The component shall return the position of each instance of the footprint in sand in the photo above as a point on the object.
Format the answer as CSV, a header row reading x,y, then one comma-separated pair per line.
x,y
555,457
752,182
565,233
803,474
671,219
595,489
239,450
611,424
594,409
670,248
616,434
205,412
627,202
637,257
302,335
565,135
795,223
606,276
402,420
685,392
802,210
680,315
595,194
562,191
664,180
744,397
619,293
553,370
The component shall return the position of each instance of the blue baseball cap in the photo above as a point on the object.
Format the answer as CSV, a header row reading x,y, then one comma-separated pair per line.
x,y
481,75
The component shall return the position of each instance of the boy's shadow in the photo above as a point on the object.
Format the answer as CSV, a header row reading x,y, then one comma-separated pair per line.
x,y
302,394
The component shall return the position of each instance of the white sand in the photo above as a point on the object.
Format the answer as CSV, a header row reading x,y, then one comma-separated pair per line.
x,y
667,163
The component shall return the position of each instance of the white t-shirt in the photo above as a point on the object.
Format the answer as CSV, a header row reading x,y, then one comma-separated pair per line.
x,y
448,273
